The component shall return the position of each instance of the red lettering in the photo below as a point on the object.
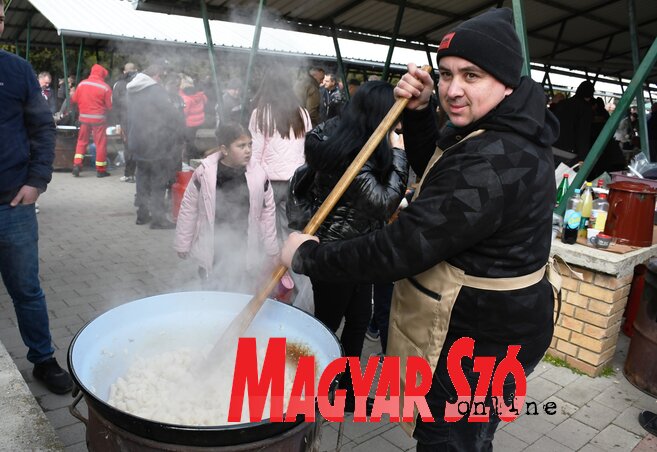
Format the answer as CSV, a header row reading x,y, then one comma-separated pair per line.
x,y
335,412
362,385
461,348
272,380
510,366
304,382
484,366
388,386
418,383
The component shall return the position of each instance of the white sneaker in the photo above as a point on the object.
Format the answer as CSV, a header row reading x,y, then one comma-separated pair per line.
x,y
36,207
124,178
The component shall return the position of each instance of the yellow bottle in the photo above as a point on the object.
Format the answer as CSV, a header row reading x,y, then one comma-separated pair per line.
x,y
587,205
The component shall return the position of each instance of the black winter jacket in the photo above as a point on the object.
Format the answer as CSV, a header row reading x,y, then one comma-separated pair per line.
x,y
370,200
485,207
575,119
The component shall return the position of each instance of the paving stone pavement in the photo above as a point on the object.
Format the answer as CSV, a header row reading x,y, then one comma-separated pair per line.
x,y
94,257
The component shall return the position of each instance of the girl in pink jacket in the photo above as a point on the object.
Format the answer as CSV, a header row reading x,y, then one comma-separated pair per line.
x,y
227,216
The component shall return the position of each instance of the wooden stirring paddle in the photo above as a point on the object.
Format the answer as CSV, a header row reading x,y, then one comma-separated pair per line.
x,y
239,325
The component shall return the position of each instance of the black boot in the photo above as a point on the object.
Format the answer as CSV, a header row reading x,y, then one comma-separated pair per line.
x,y
143,216
76,170
55,378
648,420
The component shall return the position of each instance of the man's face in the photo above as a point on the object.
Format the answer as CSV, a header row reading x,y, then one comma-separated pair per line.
x,y
329,83
467,92
2,18
44,81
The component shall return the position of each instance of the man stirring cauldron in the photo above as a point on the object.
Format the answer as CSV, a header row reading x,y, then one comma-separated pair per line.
x,y
469,254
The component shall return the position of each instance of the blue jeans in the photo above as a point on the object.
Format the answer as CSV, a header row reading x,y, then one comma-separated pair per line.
x,y
19,266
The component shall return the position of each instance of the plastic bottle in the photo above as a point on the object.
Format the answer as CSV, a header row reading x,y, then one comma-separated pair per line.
x,y
587,205
599,212
572,219
563,188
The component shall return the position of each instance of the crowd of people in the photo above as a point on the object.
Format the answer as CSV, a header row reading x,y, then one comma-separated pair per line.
x,y
480,211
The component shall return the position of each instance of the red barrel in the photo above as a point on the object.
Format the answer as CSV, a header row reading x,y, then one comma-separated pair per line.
x,y
178,191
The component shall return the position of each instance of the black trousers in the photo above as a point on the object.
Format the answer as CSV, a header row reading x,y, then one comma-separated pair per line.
x,y
333,301
442,436
152,182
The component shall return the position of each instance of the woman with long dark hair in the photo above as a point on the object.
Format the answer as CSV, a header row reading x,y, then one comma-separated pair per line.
x,y
278,126
368,203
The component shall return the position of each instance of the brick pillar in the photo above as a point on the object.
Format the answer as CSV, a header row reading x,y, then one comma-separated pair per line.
x,y
591,314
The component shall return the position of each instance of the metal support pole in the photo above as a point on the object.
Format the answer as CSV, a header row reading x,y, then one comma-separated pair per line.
x,y
620,83
395,33
28,38
67,99
78,69
640,102
521,29
338,57
213,68
612,123
18,51
254,51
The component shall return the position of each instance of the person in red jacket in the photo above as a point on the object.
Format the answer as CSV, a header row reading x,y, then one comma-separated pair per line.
x,y
94,100
194,110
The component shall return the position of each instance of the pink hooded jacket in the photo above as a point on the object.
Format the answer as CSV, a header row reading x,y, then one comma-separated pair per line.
x,y
195,225
277,155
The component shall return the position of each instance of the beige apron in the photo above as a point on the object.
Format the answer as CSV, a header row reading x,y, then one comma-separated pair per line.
x,y
422,305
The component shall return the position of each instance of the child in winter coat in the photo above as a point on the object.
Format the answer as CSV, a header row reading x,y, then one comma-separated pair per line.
x,y
227,216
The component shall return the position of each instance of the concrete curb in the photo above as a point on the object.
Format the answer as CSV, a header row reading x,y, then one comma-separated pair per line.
x,y
24,426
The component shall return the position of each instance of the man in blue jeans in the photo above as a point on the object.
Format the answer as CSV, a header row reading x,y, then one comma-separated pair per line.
x,y
27,150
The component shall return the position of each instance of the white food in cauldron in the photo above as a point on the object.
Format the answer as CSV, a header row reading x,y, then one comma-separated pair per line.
x,y
163,388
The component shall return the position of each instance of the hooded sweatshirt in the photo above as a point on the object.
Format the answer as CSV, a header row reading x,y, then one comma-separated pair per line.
x,y
94,97
485,207
153,121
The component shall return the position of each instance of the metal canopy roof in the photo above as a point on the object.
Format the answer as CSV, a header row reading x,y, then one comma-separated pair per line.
x,y
589,35
103,22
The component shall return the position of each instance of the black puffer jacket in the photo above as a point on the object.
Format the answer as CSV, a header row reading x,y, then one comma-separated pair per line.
x,y
485,207
370,200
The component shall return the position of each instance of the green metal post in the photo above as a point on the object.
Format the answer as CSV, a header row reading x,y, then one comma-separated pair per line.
x,y
28,38
521,29
78,69
254,51
338,57
395,33
208,38
612,123
65,66
7,4
640,102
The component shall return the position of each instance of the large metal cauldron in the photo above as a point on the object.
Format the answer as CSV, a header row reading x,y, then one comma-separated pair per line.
x,y
105,348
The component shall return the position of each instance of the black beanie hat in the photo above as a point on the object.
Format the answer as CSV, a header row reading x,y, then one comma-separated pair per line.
x,y
489,41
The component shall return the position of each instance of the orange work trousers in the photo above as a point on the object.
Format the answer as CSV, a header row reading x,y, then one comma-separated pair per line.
x,y
100,138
